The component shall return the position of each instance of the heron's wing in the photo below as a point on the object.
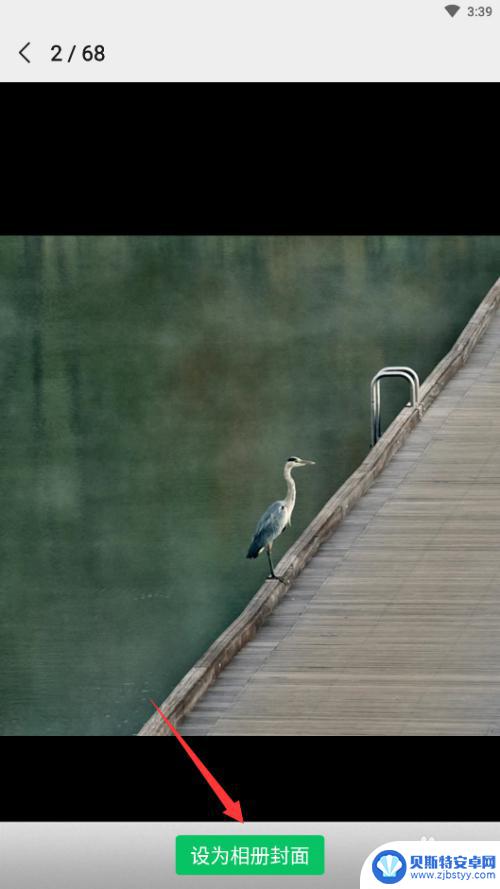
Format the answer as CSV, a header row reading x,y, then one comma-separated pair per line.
x,y
271,524
269,527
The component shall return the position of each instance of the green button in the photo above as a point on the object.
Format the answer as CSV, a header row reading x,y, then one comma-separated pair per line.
x,y
216,855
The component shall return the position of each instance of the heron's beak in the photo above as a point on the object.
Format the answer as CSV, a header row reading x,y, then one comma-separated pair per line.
x,y
308,462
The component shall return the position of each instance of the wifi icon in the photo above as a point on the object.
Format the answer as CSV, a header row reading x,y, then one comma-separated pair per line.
x,y
452,10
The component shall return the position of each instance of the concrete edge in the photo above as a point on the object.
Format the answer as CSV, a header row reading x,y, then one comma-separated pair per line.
x,y
194,684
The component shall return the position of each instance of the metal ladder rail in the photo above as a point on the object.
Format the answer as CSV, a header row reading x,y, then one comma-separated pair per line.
x,y
397,371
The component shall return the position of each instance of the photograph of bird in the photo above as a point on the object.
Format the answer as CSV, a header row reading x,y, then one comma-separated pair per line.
x,y
276,517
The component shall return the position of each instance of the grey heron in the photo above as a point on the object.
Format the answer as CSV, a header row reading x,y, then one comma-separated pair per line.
x,y
276,517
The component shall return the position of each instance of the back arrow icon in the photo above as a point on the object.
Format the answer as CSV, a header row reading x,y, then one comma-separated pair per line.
x,y
21,52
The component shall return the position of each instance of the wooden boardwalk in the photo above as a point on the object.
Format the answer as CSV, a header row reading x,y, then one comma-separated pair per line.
x,y
393,627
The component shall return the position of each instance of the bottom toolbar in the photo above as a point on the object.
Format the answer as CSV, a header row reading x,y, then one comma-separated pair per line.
x,y
341,855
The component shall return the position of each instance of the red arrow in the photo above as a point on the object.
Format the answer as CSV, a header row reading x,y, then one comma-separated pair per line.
x,y
233,809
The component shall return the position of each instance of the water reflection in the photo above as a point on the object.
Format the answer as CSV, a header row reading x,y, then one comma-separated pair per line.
x,y
150,391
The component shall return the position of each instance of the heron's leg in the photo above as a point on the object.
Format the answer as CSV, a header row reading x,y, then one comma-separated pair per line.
x,y
272,576
271,566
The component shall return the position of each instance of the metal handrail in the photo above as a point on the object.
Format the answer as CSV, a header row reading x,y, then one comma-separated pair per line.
x,y
406,373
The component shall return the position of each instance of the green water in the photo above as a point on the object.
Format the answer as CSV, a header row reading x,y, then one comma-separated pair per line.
x,y
151,389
